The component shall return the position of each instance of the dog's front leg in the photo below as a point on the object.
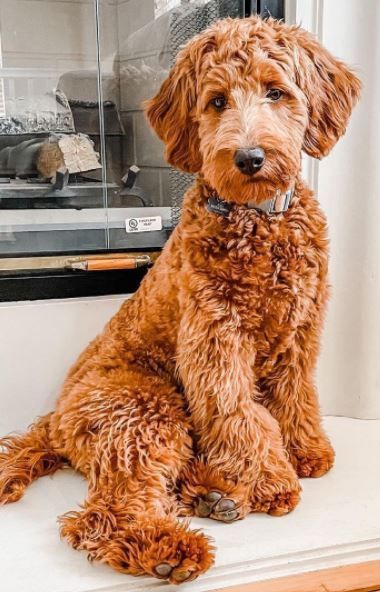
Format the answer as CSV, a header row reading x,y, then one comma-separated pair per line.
x,y
290,395
242,463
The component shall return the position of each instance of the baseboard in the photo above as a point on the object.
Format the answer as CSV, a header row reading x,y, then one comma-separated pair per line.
x,y
361,577
249,576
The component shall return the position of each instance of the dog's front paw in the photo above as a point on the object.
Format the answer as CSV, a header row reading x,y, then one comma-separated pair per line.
x,y
313,459
218,507
206,494
277,490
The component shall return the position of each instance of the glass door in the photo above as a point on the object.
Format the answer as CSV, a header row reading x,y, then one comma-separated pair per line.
x,y
134,63
77,158
52,182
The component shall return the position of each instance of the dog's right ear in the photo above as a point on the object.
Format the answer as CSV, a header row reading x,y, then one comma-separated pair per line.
x,y
331,90
170,113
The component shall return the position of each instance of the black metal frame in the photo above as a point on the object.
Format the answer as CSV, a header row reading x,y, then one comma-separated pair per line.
x,y
274,8
41,285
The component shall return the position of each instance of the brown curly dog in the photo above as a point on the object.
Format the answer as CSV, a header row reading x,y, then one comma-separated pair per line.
x,y
198,397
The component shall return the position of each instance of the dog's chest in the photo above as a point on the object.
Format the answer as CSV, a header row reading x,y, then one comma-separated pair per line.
x,y
263,280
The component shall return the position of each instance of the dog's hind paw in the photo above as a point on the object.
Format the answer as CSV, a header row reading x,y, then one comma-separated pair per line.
x,y
159,547
11,491
280,504
174,553
184,572
313,460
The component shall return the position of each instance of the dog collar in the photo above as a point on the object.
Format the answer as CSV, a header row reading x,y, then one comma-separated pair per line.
x,y
278,204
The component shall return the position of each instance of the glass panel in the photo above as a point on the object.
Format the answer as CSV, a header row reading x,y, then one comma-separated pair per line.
x,y
51,185
76,155
133,65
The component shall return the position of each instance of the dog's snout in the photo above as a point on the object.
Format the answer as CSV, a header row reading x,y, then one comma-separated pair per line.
x,y
249,160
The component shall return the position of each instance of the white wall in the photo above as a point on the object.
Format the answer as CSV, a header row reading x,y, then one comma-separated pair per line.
x,y
38,343
349,191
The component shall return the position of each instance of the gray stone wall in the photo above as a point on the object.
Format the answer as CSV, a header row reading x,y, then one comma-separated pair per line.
x,y
144,61
54,33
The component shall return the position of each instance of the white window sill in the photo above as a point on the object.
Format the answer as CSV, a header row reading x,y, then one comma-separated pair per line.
x,y
336,523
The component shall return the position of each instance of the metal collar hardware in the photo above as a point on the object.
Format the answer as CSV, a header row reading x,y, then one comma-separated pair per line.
x,y
278,204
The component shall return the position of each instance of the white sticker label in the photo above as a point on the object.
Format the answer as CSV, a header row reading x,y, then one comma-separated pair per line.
x,y
147,224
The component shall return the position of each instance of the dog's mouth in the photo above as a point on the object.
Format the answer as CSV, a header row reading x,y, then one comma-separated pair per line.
x,y
255,178
259,179
271,176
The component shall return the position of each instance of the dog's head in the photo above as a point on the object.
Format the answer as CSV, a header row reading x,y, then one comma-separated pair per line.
x,y
244,98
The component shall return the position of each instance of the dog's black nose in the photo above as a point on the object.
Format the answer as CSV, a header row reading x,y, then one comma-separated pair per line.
x,y
249,160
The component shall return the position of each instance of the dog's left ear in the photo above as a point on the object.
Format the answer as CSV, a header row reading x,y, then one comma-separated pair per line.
x,y
170,115
331,89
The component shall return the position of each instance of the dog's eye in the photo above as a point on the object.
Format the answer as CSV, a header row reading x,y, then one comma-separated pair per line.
x,y
274,94
219,102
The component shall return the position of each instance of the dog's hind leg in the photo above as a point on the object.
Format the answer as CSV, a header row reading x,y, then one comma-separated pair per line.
x,y
129,434
24,458
121,531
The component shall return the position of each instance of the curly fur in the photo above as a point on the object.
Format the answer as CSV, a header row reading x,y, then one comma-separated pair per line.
x,y
198,397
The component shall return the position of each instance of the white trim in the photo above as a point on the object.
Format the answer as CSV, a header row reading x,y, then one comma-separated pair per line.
x,y
265,569
3,113
307,13
310,171
27,220
117,298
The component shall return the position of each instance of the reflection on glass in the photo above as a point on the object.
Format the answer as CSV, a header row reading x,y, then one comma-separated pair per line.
x,y
76,155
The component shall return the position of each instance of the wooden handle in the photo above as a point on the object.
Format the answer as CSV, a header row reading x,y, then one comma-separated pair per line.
x,y
104,264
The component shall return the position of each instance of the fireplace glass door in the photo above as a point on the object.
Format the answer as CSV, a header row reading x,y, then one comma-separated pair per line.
x,y
77,158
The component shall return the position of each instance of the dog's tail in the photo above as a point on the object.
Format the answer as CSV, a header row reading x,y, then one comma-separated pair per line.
x,y
24,458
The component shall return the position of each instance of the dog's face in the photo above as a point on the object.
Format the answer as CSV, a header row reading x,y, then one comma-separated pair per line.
x,y
251,120
244,98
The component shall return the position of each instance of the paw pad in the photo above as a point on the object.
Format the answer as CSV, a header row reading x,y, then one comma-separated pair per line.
x,y
175,574
164,569
214,506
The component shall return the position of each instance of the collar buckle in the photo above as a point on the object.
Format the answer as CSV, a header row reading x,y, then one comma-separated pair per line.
x,y
278,204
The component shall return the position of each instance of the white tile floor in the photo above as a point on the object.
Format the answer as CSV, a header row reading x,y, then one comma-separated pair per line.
x,y
337,522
